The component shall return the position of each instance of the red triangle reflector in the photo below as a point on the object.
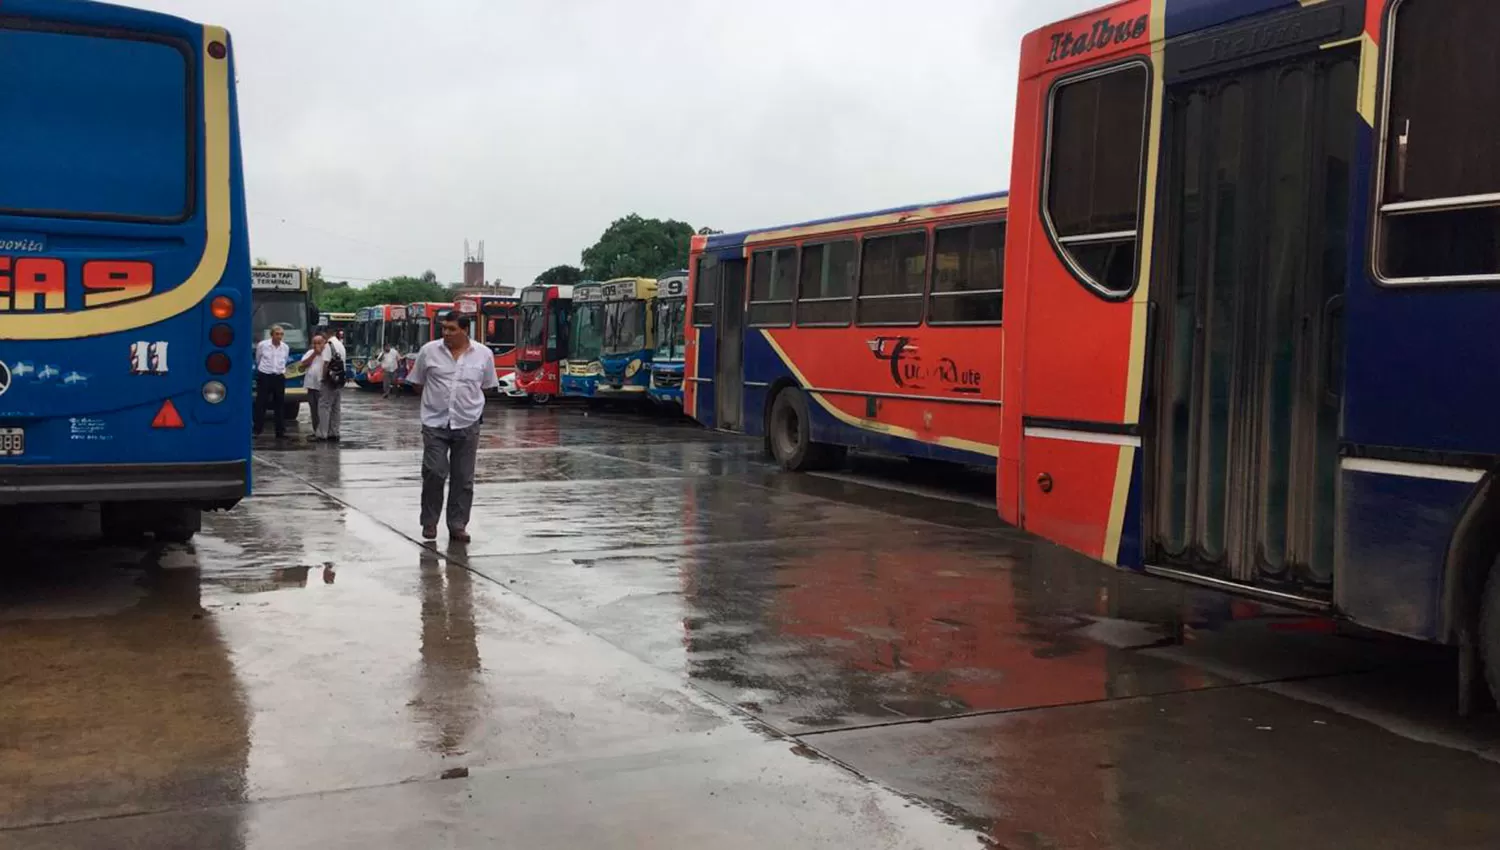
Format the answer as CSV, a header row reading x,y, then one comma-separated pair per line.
x,y
168,417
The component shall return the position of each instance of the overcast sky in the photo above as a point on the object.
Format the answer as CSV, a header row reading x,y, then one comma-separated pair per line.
x,y
379,136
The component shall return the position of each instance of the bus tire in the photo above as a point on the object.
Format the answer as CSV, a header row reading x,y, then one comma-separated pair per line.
x,y
540,400
177,523
1489,631
789,433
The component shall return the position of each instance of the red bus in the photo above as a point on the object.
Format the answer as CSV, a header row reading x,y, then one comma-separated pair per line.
x,y
495,321
419,328
1250,333
874,331
543,344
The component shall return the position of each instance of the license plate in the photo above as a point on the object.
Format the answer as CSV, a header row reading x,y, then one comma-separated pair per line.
x,y
12,442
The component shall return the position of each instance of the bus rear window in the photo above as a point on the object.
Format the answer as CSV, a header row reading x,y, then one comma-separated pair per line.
x,y
105,127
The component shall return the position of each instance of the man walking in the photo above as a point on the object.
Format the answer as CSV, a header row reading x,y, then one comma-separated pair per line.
x,y
271,357
451,375
390,361
312,379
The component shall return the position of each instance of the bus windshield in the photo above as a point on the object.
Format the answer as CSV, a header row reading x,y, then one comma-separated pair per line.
x,y
588,332
624,327
671,327
287,310
533,326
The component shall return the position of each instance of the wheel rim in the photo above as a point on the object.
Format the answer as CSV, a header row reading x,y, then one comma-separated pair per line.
x,y
788,431
541,399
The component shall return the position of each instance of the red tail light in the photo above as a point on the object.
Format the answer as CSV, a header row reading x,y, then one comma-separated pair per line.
x,y
218,363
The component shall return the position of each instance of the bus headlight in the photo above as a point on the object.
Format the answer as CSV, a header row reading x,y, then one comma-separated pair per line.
x,y
634,367
214,392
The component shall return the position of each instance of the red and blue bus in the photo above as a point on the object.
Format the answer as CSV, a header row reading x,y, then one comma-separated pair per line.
x,y
670,322
420,327
543,350
876,331
1254,285
124,267
374,328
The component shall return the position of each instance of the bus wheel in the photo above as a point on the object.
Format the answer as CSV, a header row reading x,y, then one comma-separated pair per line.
x,y
1489,631
541,399
290,411
790,434
177,523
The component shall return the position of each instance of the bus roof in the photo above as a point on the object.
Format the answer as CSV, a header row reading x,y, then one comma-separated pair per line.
x,y
971,204
108,14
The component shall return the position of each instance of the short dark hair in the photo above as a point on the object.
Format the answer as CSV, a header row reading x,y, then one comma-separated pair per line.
x,y
455,317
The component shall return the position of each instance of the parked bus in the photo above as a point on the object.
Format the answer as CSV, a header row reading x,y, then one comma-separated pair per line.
x,y
670,323
338,324
373,328
875,331
420,327
493,320
281,300
585,342
1251,327
629,338
544,340
125,297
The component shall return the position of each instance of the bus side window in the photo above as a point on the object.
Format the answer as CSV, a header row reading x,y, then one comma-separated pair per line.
x,y
827,284
893,279
705,292
1440,205
968,275
1093,174
773,280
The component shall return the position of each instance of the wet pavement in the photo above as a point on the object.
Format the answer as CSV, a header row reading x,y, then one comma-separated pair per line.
x,y
657,640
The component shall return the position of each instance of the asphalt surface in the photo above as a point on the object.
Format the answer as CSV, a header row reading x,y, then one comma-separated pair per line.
x,y
657,640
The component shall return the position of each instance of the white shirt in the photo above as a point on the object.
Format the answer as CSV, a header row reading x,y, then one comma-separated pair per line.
x,y
318,363
270,358
453,390
390,361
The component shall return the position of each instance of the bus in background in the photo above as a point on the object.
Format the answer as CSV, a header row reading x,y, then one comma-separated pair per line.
x,y
492,323
629,338
373,327
585,342
875,331
282,300
421,327
125,296
670,321
543,351
338,324
1226,218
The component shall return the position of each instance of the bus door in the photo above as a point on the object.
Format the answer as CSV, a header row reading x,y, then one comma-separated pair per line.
x,y
1243,424
729,380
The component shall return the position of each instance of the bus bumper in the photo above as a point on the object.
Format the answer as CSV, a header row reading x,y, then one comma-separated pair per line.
x,y
217,485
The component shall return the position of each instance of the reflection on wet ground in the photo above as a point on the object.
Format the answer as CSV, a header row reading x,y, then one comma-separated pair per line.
x,y
658,640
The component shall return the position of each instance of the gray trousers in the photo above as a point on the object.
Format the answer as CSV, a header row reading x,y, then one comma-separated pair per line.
x,y
448,456
330,419
313,410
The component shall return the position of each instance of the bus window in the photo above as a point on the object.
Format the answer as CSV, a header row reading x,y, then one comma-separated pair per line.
x,y
893,279
1440,212
968,273
1093,174
827,284
773,279
706,292
120,146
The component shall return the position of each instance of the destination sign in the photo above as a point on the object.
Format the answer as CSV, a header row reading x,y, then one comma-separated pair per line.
x,y
278,280
621,291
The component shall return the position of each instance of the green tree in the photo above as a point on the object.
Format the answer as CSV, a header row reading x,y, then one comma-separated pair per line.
x,y
560,276
394,290
638,247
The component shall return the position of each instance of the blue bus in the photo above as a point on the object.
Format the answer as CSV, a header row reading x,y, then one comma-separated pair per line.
x,y
124,267
629,338
670,321
580,377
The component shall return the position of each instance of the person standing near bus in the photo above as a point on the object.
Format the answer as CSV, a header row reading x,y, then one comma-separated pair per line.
x,y
390,361
331,385
450,375
271,356
312,379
